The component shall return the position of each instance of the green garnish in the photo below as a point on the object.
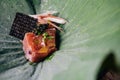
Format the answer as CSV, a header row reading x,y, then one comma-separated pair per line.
x,y
32,63
40,29
45,36
50,57
38,32
50,37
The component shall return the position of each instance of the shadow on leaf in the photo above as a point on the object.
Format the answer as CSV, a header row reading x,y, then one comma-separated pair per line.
x,y
108,69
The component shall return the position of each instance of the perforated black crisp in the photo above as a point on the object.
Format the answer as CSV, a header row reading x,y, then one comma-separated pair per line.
x,y
21,25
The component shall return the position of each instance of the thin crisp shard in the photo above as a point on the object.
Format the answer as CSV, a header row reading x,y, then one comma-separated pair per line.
x,y
49,18
60,29
55,19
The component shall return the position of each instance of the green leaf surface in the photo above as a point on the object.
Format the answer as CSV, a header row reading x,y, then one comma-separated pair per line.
x,y
92,33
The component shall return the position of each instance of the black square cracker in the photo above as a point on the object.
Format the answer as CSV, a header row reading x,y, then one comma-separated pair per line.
x,y
21,25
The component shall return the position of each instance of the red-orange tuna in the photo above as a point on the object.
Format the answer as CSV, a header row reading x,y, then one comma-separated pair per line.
x,y
36,48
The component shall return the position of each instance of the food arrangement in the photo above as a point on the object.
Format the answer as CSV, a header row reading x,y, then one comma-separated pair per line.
x,y
37,34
